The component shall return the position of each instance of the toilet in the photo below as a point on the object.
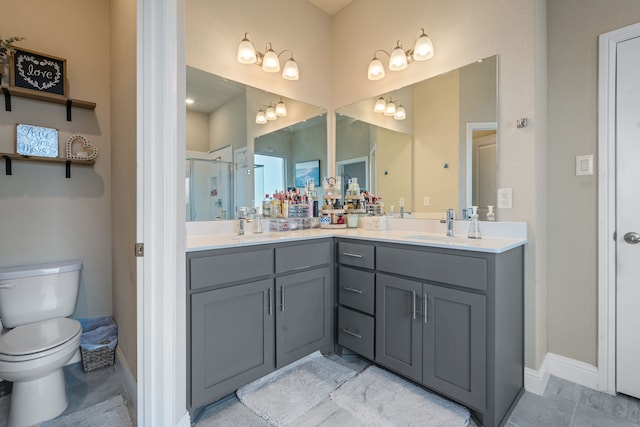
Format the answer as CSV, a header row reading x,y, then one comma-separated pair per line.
x,y
39,338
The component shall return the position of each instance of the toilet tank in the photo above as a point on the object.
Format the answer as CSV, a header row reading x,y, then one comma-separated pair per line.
x,y
31,293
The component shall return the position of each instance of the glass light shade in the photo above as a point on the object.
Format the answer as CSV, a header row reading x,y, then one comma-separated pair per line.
x,y
271,113
398,59
189,101
281,109
261,118
290,71
376,69
380,106
390,110
423,49
270,62
401,114
246,52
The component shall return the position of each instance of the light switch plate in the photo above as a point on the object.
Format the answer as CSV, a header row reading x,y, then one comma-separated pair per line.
x,y
505,198
426,201
584,165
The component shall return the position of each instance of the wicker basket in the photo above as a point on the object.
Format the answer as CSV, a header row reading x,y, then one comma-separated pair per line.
x,y
98,358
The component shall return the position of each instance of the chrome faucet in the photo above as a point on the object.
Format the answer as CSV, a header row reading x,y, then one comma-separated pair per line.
x,y
242,217
449,222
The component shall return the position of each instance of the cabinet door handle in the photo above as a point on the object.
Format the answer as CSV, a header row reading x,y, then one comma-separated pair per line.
x,y
354,290
270,301
282,298
353,334
426,305
351,255
413,297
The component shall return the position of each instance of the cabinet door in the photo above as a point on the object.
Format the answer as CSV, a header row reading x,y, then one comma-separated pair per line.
x,y
398,325
454,344
232,339
304,314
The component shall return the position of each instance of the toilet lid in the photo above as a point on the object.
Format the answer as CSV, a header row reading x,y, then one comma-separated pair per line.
x,y
37,337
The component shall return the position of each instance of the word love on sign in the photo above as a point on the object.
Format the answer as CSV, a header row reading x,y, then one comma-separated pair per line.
x,y
39,72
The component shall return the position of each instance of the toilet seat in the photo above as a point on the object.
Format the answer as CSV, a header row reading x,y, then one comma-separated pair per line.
x,y
38,339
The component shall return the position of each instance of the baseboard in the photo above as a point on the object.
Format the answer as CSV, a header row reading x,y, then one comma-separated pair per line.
x,y
562,367
128,380
185,421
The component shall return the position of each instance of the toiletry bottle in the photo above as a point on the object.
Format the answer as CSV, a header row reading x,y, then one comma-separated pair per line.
x,y
491,216
266,206
474,226
257,226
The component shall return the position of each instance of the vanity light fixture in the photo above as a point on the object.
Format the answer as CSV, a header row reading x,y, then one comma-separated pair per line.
x,y
399,59
268,113
269,61
390,108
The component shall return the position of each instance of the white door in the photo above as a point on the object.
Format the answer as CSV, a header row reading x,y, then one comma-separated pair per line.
x,y
628,218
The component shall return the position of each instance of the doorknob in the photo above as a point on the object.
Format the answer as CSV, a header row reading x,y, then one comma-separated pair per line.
x,y
632,238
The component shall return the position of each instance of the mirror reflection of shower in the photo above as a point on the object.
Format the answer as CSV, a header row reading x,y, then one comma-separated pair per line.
x,y
209,189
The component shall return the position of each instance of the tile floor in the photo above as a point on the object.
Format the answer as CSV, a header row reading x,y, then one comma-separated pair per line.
x,y
84,390
563,404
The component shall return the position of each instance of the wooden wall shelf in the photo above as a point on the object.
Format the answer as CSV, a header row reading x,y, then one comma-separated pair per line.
x,y
8,157
46,97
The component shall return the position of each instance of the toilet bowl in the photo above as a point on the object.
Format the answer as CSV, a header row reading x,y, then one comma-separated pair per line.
x,y
35,302
32,357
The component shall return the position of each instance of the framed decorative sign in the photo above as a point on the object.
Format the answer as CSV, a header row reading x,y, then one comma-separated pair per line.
x,y
36,141
306,171
38,72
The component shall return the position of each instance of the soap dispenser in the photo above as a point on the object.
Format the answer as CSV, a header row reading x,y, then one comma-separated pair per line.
x,y
491,216
474,226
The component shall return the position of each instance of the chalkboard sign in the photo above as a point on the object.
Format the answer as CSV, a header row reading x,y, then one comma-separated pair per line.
x,y
39,72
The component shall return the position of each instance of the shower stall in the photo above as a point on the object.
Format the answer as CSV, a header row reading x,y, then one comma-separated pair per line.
x,y
209,189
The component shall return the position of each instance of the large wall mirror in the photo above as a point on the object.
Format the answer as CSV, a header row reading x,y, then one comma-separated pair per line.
x,y
442,154
232,160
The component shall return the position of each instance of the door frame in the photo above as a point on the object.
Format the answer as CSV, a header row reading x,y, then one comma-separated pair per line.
x,y
607,203
472,126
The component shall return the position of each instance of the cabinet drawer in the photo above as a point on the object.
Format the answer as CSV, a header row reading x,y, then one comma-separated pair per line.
x,y
355,332
300,257
356,254
467,271
229,267
356,289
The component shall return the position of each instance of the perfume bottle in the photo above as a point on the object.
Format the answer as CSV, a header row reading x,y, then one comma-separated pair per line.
x,y
491,216
474,226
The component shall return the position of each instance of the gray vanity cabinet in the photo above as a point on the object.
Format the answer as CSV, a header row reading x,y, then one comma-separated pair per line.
x,y
303,315
232,333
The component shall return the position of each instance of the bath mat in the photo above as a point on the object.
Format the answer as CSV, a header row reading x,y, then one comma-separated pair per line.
x,y
382,399
284,395
110,413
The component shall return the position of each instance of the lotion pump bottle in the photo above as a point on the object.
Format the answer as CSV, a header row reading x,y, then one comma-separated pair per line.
x,y
474,226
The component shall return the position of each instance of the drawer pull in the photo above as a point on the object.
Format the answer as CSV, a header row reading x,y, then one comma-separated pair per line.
x,y
426,299
353,334
301,268
352,255
413,298
355,291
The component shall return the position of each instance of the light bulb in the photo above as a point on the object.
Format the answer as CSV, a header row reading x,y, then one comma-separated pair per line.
x,y
398,59
270,62
270,114
376,69
261,118
290,71
401,114
380,106
423,49
390,110
281,109
246,52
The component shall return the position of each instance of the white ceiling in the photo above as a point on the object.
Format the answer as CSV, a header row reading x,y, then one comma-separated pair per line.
x,y
331,6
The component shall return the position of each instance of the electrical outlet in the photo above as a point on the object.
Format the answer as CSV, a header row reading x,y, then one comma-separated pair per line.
x,y
427,201
505,198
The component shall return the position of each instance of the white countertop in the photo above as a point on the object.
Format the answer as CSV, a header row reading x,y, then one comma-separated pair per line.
x,y
198,242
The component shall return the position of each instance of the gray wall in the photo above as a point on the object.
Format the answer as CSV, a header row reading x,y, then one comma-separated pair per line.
x,y
573,29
